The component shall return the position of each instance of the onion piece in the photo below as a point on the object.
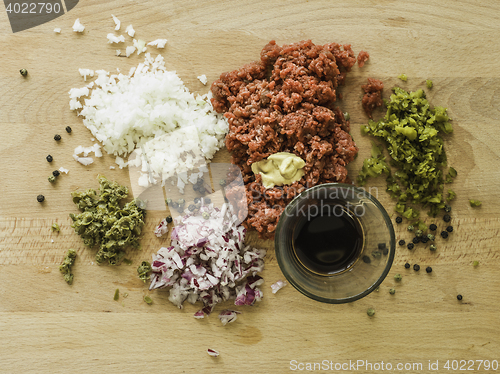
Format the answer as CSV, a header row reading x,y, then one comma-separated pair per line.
x,y
278,286
228,316
213,352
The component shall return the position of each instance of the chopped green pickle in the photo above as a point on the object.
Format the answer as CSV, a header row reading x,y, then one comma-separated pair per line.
x,y
410,132
403,77
65,267
428,83
143,270
117,294
103,222
475,203
148,300
55,227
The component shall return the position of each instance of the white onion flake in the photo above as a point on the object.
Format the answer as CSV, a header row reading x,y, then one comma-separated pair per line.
x,y
227,316
207,261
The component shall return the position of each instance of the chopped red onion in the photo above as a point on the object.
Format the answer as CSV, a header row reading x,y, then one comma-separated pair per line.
x,y
212,352
162,228
278,286
228,316
207,261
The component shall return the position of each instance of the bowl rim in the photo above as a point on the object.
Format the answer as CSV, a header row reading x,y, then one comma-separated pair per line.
x,y
391,254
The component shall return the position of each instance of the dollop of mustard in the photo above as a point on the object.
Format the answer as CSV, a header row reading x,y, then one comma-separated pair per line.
x,y
279,169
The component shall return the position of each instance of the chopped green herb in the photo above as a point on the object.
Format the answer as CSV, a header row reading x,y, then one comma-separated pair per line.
x,y
475,203
428,83
403,77
411,133
126,261
55,227
117,295
148,300
65,267
143,270
105,223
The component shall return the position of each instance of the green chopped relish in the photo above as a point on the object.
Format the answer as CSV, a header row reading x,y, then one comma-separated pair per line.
x,y
105,223
143,270
410,131
475,203
65,267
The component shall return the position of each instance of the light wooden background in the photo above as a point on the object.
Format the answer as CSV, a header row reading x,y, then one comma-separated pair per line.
x,y
47,326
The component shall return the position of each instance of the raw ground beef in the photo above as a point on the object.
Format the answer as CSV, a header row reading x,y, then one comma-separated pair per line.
x,y
285,103
373,95
362,58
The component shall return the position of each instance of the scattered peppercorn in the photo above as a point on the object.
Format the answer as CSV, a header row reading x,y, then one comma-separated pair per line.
x,y
418,233
449,229
57,137
40,198
196,200
431,237
370,312
407,265
432,227
168,219
410,246
56,173
23,72
376,254
398,277
181,202
222,182
424,239
447,208
475,263
366,259
402,242
433,247
392,291
207,200
444,234
191,207
385,251
447,218
52,179
428,269
49,158
399,219
68,129
381,246
459,297
411,228
205,215
416,267
416,240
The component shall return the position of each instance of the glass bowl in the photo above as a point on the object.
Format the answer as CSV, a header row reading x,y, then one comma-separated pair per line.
x,y
335,243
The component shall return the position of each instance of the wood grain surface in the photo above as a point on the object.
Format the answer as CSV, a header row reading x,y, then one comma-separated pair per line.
x,y
47,326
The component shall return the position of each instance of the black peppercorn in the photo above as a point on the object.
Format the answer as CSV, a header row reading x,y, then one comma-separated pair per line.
x,y
410,246
424,239
191,207
68,129
402,242
447,208
428,269
23,72
447,218
57,137
40,198
416,267
449,228
49,158
366,259
407,265
459,297
196,200
207,200
416,240
399,219
385,251
432,227
381,246
444,234
168,219
55,173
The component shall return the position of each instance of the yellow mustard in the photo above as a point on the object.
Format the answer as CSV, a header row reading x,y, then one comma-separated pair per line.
x,y
279,169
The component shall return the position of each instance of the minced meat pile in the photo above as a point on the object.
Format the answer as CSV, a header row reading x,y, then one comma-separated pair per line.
x,y
285,103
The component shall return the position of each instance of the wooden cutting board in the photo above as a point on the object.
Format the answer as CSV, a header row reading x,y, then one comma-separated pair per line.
x,y
47,326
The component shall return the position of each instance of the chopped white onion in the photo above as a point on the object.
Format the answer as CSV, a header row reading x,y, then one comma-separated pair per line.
x,y
213,352
140,45
86,73
130,31
57,30
117,22
115,39
129,50
118,52
203,79
77,26
277,286
63,170
158,43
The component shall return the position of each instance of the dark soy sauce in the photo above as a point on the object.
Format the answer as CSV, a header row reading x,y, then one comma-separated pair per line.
x,y
328,243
